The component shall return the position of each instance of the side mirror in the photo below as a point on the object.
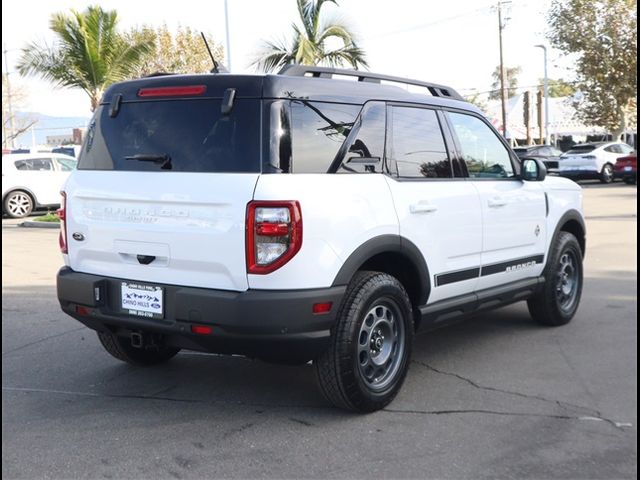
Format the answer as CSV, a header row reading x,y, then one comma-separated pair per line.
x,y
533,170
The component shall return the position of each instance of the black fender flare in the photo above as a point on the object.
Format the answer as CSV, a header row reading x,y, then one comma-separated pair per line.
x,y
568,216
384,244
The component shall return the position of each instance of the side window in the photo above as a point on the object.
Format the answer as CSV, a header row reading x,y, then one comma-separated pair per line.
x,y
626,148
416,146
555,152
366,148
545,151
484,154
66,165
33,164
318,131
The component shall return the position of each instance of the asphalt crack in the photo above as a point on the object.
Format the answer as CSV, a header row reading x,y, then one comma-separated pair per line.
x,y
590,413
35,342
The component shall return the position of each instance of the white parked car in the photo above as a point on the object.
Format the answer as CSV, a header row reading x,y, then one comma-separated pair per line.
x,y
592,161
33,180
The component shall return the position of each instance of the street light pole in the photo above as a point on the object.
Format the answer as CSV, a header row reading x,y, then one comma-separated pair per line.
x,y
546,97
226,26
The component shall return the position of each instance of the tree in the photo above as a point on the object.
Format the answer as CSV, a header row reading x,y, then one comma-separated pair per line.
x,y
510,80
184,52
558,88
603,36
89,53
309,43
13,124
476,99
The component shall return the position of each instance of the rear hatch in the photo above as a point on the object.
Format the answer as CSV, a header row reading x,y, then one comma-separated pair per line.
x,y
580,157
163,181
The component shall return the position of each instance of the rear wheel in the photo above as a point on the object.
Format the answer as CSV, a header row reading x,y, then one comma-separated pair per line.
x,y
606,175
121,348
18,204
558,302
368,359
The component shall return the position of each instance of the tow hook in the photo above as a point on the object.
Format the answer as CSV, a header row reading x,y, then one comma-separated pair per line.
x,y
148,341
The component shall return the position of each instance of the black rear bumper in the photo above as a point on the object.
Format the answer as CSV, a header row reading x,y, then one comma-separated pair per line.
x,y
276,324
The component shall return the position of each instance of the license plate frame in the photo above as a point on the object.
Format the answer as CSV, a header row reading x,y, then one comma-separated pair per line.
x,y
142,300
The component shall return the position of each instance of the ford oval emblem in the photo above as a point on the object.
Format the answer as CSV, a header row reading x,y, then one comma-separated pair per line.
x,y
78,236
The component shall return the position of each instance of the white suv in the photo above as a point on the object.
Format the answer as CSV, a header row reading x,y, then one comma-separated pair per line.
x,y
592,161
33,180
299,217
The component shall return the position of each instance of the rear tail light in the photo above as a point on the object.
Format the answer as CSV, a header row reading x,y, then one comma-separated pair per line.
x,y
62,215
274,234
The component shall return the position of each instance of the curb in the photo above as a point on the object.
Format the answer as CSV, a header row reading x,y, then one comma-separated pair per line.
x,y
34,224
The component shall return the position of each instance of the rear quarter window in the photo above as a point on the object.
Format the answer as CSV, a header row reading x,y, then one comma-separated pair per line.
x,y
318,130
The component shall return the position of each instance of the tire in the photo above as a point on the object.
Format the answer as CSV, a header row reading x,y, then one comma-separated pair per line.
x,y
121,348
368,358
606,175
18,204
559,299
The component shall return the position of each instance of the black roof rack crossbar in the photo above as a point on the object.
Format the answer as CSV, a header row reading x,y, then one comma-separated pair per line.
x,y
436,90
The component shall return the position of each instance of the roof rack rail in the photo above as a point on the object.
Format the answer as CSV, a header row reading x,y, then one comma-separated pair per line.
x,y
328,72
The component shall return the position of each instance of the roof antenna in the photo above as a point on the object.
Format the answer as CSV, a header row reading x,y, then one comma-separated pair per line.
x,y
217,68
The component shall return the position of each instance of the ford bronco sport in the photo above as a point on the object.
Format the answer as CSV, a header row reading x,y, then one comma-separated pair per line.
x,y
313,215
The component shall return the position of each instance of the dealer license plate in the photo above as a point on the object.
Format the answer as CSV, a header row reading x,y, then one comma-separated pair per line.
x,y
142,300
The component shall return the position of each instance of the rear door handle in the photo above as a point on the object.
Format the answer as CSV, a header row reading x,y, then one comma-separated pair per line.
x,y
422,208
497,202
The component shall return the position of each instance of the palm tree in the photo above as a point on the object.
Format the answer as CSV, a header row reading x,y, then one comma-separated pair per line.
x,y
89,53
309,43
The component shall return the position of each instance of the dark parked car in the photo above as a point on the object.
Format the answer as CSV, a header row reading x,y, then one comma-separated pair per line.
x,y
626,168
548,154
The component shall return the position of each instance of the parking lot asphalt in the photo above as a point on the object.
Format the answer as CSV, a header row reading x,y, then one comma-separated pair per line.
x,y
493,397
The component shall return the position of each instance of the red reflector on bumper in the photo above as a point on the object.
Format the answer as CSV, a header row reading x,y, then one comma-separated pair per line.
x,y
322,307
84,311
201,329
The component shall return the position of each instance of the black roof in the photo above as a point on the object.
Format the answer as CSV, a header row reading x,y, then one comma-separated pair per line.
x,y
293,85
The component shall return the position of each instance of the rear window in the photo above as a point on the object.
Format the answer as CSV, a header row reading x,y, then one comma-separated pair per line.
x,y
582,149
174,135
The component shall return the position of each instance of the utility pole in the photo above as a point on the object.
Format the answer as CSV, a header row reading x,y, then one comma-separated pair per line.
x,y
8,139
526,112
503,93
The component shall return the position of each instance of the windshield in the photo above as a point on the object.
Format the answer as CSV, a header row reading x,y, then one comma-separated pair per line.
x,y
193,134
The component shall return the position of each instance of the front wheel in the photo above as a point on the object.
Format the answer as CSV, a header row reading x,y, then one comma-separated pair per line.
x,y
18,204
606,175
558,302
368,359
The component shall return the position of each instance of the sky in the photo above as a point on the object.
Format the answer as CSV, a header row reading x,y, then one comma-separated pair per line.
x,y
452,42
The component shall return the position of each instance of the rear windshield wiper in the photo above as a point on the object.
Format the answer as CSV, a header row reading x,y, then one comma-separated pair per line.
x,y
163,160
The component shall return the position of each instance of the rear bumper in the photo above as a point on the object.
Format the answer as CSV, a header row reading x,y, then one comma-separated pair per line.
x,y
624,174
276,324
